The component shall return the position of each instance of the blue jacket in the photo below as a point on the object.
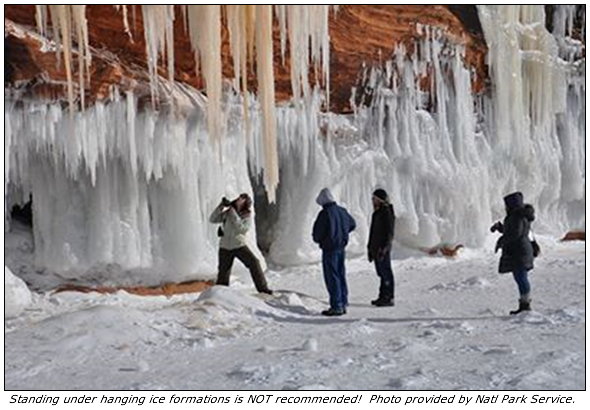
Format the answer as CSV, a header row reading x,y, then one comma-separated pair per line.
x,y
332,227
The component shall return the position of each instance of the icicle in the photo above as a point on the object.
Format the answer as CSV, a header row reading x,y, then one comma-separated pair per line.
x,y
304,28
237,24
69,21
60,16
281,12
41,18
264,60
125,19
205,36
158,23
84,54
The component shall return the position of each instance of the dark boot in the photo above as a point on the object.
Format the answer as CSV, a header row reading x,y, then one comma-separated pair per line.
x,y
524,305
384,302
333,312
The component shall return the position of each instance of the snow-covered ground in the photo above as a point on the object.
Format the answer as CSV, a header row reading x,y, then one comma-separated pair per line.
x,y
449,329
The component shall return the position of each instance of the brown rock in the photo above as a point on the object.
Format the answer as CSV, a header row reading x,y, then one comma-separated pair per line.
x,y
574,236
167,289
360,35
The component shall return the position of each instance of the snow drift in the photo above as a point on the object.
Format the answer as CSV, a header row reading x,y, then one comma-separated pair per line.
x,y
16,295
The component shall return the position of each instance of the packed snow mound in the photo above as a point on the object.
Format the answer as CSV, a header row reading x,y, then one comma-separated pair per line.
x,y
232,300
16,295
223,312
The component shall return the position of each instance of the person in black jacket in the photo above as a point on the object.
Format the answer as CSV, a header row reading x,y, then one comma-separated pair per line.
x,y
330,231
379,247
517,250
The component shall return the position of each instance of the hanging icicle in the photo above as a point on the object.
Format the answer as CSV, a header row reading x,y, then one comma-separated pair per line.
x,y
158,27
251,42
69,24
204,25
264,63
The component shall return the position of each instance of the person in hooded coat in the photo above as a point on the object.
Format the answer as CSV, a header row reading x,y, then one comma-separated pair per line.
x,y
235,218
379,246
331,230
517,250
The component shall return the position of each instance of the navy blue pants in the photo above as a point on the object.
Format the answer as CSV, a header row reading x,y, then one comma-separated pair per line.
x,y
335,278
522,280
385,273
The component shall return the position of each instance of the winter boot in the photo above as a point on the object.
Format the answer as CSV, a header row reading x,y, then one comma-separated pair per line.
x,y
524,305
333,312
384,302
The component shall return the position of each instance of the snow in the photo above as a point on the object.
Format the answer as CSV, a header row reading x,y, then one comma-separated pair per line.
x,y
449,329
16,295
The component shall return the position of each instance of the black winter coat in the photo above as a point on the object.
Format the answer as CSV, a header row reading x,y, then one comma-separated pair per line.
x,y
382,231
517,251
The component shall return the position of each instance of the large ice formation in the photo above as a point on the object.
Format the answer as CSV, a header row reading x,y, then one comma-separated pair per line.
x,y
115,184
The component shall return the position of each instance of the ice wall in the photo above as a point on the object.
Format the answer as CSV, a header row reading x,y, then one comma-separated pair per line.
x,y
537,110
133,188
123,188
446,157
424,146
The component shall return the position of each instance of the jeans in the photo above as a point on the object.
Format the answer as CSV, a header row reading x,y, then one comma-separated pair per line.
x,y
384,271
522,280
335,278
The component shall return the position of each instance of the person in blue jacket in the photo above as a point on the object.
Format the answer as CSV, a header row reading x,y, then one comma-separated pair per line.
x,y
330,231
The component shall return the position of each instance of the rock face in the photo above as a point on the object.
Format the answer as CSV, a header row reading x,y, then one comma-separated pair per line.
x,y
360,36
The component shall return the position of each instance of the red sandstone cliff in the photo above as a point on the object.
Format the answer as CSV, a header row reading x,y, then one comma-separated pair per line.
x,y
360,35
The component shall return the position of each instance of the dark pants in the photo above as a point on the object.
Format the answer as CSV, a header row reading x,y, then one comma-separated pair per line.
x,y
522,280
245,255
385,273
335,278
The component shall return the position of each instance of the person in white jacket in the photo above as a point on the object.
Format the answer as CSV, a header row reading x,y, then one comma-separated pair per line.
x,y
235,218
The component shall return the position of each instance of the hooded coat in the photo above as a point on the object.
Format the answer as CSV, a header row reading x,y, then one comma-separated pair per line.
x,y
333,224
517,251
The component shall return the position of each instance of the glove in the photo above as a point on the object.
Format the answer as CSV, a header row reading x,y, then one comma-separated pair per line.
x,y
496,227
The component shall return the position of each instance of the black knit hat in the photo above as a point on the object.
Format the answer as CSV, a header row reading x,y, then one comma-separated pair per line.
x,y
381,194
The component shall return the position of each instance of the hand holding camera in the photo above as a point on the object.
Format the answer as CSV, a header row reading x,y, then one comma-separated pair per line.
x,y
497,227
